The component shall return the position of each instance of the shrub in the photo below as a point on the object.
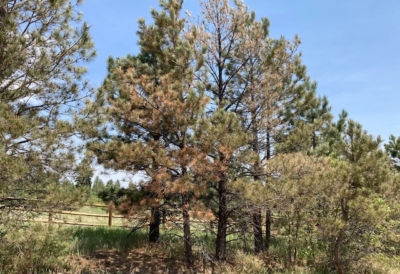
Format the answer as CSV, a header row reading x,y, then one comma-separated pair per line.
x,y
33,249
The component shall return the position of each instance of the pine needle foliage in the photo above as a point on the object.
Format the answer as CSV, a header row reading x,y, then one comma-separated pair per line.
x,y
43,48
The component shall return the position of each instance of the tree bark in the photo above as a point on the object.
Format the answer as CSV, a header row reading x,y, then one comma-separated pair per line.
x,y
257,215
336,255
154,232
267,229
268,219
257,231
186,232
339,238
222,221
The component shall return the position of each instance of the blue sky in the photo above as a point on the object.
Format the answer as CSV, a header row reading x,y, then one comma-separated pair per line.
x,y
351,48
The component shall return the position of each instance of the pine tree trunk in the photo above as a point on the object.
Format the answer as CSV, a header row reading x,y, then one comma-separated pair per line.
x,y
257,215
338,262
222,220
257,231
154,232
267,229
314,141
155,218
338,242
186,232
268,211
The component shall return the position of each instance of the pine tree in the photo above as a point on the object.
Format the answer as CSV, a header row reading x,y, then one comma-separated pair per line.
x,y
393,150
43,50
344,201
84,174
308,128
228,49
156,107
41,83
259,79
356,197
98,186
275,83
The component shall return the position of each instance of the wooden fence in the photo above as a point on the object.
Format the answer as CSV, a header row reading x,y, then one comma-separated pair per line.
x,y
50,216
110,216
51,213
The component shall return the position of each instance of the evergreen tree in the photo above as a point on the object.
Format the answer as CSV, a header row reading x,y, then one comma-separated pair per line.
x,y
307,130
231,38
98,186
259,79
156,107
277,85
117,185
361,176
41,83
43,47
84,174
343,202
393,150
110,184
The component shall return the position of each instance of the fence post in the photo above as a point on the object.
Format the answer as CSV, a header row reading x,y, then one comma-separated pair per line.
x,y
110,213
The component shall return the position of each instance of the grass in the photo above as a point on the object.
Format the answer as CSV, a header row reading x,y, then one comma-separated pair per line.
x,y
105,247
111,250
86,240
93,250
93,210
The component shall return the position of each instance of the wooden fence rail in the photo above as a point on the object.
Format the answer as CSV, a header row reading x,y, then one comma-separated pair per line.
x,y
51,212
110,216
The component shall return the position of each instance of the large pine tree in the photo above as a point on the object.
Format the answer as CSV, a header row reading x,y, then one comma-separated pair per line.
x,y
259,79
156,107
42,49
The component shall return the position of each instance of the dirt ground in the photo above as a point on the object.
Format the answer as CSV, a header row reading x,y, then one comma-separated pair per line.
x,y
136,261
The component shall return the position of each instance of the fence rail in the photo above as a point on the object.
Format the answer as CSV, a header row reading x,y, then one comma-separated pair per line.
x,y
51,213
142,220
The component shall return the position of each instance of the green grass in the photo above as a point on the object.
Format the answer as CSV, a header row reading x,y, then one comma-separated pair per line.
x,y
93,210
88,239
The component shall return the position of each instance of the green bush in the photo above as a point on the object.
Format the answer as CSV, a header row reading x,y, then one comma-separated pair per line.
x,y
33,249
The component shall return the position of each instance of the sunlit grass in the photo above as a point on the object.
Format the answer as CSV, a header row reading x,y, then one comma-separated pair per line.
x,y
88,239
93,210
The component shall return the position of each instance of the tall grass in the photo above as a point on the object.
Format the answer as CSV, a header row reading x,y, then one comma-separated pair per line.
x,y
33,249
87,239
44,249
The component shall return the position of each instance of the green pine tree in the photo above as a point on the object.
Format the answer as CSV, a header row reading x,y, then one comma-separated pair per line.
x,y
41,87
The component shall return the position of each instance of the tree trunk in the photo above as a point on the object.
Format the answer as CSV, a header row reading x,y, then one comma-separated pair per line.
x,y
267,229
268,219
338,242
257,215
155,218
314,141
222,220
186,232
296,237
154,232
257,231
336,255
